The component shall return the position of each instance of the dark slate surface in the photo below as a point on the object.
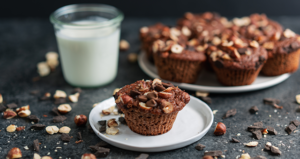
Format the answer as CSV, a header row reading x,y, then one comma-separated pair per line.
x,y
24,42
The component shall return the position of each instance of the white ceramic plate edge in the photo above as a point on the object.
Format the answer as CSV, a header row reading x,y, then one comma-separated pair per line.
x,y
215,89
156,148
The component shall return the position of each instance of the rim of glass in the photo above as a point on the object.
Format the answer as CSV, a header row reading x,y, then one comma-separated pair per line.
x,y
83,7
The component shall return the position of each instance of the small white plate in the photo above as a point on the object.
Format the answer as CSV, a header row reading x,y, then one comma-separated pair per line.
x,y
191,124
207,80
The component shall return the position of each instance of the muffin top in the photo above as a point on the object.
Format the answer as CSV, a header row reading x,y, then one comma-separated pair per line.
x,y
258,27
163,32
203,24
175,50
237,53
155,97
287,42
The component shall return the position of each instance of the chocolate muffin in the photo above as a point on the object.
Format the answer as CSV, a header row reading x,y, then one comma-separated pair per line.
x,y
283,54
177,62
151,107
237,61
159,31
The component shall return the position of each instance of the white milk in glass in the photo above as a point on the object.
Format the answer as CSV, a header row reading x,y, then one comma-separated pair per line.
x,y
89,56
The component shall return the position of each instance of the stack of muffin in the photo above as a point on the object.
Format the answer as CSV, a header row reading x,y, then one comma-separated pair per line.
x,y
237,50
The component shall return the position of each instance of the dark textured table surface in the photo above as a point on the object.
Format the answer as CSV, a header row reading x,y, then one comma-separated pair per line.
x,y
24,42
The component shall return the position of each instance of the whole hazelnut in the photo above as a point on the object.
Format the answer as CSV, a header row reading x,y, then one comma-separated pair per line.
x,y
207,157
88,156
8,114
220,129
80,120
14,153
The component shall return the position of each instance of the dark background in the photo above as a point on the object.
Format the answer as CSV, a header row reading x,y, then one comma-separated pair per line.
x,y
156,8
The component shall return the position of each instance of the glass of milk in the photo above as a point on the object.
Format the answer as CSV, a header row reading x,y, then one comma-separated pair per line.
x,y
88,41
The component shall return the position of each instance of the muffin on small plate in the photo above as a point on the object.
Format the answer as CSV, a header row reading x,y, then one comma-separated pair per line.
x,y
151,107
177,62
160,31
283,54
237,61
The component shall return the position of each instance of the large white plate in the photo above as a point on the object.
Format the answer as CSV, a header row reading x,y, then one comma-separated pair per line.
x,y
207,80
195,113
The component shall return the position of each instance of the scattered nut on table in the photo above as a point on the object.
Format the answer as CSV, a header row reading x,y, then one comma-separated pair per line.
x,y
220,129
46,157
245,156
88,156
298,98
124,45
60,94
251,144
20,128
64,129
36,156
8,114
52,60
74,97
43,69
52,129
11,128
80,120
24,113
132,57
14,153
26,107
1,98
112,131
64,108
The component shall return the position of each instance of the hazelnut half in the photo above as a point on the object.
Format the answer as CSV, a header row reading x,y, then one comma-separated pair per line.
x,y
165,95
112,131
64,108
26,107
112,123
144,106
8,114
220,129
14,153
88,156
251,144
167,107
52,129
80,120
46,157
11,128
74,97
64,129
24,113
60,94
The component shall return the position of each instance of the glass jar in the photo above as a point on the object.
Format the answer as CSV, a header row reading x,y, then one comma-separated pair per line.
x,y
88,40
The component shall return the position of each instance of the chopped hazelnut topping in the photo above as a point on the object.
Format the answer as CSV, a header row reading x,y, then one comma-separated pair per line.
x,y
176,48
289,33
